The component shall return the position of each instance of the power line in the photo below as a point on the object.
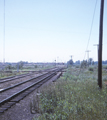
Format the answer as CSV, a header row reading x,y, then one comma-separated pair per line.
x,y
4,37
91,28
90,32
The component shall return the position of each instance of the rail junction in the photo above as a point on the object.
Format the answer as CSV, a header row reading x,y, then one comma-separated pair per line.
x,y
16,91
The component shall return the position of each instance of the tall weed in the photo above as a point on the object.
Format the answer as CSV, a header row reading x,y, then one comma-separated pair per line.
x,y
73,99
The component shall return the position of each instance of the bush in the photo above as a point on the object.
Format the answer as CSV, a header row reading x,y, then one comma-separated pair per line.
x,y
77,66
36,66
105,67
84,63
91,69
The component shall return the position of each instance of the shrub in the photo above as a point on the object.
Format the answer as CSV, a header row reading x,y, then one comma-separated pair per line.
x,y
91,69
105,67
77,66
36,66
84,63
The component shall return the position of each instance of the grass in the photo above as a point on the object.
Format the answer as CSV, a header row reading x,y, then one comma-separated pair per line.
x,y
73,97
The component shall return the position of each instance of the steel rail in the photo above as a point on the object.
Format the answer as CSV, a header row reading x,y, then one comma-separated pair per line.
x,y
20,83
12,76
34,70
16,97
25,74
15,77
6,103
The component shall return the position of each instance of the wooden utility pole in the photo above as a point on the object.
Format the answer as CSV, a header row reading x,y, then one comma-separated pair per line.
x,y
100,45
88,56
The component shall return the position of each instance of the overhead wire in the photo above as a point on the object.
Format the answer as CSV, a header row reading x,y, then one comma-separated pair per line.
x,y
4,36
91,29
90,32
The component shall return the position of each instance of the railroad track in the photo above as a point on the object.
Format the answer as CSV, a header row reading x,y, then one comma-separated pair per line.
x,y
2,80
9,81
11,95
44,70
14,77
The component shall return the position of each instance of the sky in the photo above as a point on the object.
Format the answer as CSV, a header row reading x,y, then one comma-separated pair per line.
x,y
49,30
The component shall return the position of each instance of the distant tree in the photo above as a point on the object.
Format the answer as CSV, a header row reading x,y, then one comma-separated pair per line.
x,y
90,61
95,62
78,62
25,62
20,65
84,63
36,66
70,62
9,67
104,62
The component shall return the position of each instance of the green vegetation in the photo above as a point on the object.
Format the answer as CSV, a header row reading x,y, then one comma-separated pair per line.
x,y
91,69
70,62
72,97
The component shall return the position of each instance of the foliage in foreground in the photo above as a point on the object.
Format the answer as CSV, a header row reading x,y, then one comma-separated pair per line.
x,y
73,98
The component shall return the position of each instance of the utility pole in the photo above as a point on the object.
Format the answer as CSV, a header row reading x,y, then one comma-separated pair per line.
x,y
55,62
100,45
97,46
88,56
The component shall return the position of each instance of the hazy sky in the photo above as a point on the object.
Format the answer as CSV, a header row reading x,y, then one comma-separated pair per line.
x,y
45,30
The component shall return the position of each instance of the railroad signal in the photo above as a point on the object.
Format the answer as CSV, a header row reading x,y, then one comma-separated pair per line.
x,y
96,45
